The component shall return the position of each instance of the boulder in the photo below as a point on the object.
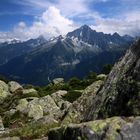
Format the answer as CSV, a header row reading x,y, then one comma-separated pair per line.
x,y
78,109
58,81
35,111
92,88
22,106
37,107
45,106
15,87
131,130
58,98
30,92
4,92
115,128
50,107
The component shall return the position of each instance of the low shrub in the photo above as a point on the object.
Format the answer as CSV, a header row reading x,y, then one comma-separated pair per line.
x,y
72,95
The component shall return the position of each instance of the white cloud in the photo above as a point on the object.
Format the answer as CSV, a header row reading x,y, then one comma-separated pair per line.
x,y
68,8
57,19
127,23
73,7
51,23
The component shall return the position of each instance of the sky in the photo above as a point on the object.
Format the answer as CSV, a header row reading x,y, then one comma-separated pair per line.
x,y
24,19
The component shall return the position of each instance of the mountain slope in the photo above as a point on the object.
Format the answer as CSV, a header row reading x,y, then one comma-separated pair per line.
x,y
14,48
104,41
73,55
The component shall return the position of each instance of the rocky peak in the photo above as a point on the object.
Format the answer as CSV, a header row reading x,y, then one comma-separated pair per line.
x,y
85,27
116,34
81,33
86,34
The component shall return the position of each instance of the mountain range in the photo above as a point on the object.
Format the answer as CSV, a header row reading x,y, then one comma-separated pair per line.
x,y
37,61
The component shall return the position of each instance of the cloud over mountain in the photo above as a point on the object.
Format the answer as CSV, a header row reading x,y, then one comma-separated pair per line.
x,y
55,17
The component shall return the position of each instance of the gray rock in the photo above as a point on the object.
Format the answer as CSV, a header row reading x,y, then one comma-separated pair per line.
x,y
36,108
114,128
131,131
32,108
58,98
45,106
48,104
30,92
15,87
22,106
4,92
78,110
35,111
92,88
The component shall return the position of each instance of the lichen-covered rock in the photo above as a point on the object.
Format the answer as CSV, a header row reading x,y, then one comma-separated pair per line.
x,y
115,128
4,92
15,87
1,125
93,88
47,105
22,106
35,111
77,110
30,92
131,131
36,108
58,98
120,94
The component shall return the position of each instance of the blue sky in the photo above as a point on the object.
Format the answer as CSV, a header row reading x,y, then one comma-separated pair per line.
x,y
25,19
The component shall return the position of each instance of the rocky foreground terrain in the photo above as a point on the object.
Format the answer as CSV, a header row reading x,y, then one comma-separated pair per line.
x,y
107,109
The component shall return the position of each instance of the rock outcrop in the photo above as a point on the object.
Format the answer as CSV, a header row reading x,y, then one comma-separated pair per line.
x,y
120,94
30,92
77,110
115,128
4,91
35,111
58,98
14,87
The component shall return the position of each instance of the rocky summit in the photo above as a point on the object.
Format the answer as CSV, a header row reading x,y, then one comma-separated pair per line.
x,y
99,107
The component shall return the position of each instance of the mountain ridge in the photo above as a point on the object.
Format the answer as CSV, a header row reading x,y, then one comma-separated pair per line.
x,y
64,56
